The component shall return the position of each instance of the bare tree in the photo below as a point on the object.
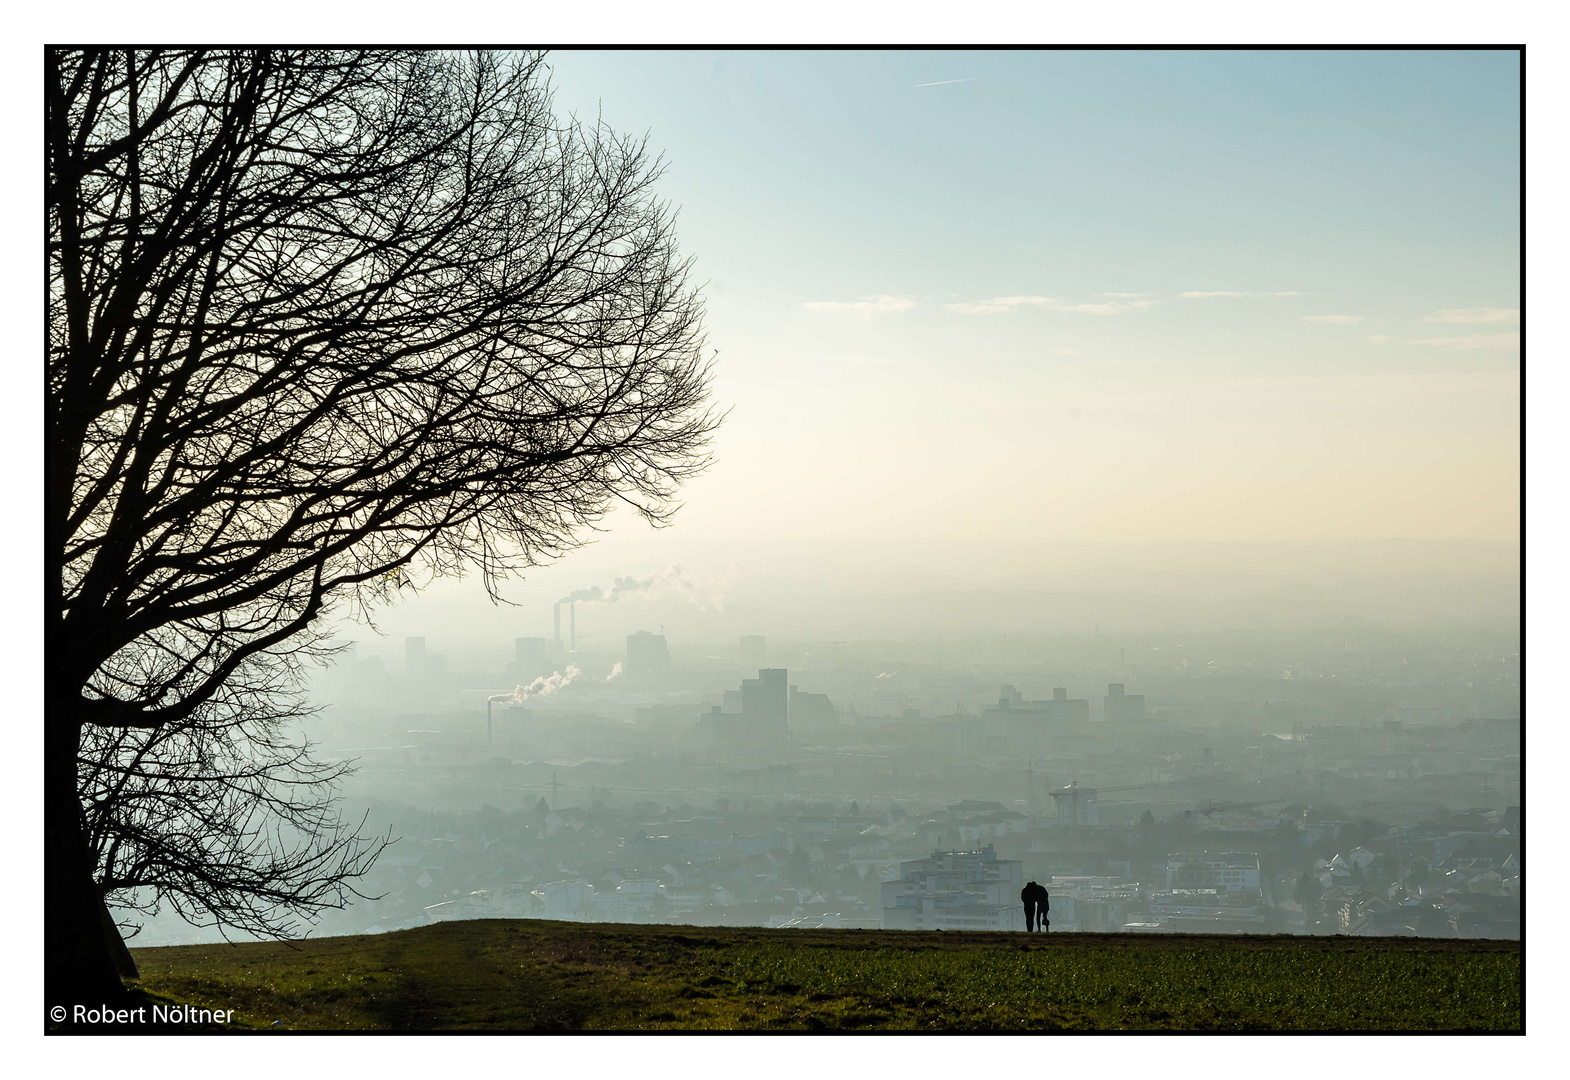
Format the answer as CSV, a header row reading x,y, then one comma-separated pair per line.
x,y
318,321
222,816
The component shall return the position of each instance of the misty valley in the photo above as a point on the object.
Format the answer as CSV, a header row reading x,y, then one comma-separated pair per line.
x,y
1351,779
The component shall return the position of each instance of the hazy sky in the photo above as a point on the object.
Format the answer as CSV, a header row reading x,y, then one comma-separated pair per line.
x,y
969,306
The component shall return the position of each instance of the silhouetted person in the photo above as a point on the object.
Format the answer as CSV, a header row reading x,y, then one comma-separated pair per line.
x,y
1043,905
1027,896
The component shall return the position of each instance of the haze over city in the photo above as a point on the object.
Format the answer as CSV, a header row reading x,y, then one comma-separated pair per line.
x,y
1050,380
964,493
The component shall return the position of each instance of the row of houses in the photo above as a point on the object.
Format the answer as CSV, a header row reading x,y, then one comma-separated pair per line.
x,y
1469,916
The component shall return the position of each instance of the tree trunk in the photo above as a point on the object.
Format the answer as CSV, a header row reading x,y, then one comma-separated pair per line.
x,y
79,961
124,962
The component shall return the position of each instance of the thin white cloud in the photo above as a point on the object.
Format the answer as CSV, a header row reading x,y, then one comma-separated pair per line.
x,y
1124,295
1477,315
1474,341
1235,295
947,82
1112,307
1000,305
1338,319
1469,341
869,308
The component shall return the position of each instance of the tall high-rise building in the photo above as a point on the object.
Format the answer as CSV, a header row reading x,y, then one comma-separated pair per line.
x,y
647,653
766,700
414,655
760,712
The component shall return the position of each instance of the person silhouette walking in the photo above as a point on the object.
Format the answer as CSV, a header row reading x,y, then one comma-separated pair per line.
x,y
1043,905
1027,896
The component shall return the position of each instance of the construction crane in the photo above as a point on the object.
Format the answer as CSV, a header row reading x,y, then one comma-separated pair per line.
x,y
1072,793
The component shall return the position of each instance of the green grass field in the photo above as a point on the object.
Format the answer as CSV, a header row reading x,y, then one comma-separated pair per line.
x,y
536,975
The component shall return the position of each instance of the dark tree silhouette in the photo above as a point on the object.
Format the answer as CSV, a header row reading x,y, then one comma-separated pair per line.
x,y
222,816
320,323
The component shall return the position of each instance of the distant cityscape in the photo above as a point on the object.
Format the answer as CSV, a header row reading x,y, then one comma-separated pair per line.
x,y
1355,780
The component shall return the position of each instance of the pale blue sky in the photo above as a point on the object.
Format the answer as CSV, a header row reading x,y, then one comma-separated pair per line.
x,y
951,324
1387,182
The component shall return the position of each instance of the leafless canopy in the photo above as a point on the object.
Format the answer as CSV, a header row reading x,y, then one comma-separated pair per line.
x,y
223,817
319,321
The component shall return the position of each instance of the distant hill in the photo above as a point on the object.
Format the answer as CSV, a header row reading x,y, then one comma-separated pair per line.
x,y
539,975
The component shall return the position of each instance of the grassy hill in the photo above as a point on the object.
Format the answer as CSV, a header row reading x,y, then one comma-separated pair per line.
x,y
528,974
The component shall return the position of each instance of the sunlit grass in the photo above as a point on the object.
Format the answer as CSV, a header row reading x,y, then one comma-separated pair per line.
x,y
545,975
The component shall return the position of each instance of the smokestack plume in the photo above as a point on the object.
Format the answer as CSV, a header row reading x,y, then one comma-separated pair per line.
x,y
545,684
675,578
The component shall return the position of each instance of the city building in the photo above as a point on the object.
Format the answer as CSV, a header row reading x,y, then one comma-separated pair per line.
x,y
1094,904
1061,713
1062,709
1077,805
1206,911
1118,706
765,701
567,899
811,711
757,713
1017,726
1231,871
956,890
647,654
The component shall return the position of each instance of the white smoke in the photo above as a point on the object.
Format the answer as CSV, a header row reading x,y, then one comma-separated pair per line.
x,y
615,672
701,594
545,684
